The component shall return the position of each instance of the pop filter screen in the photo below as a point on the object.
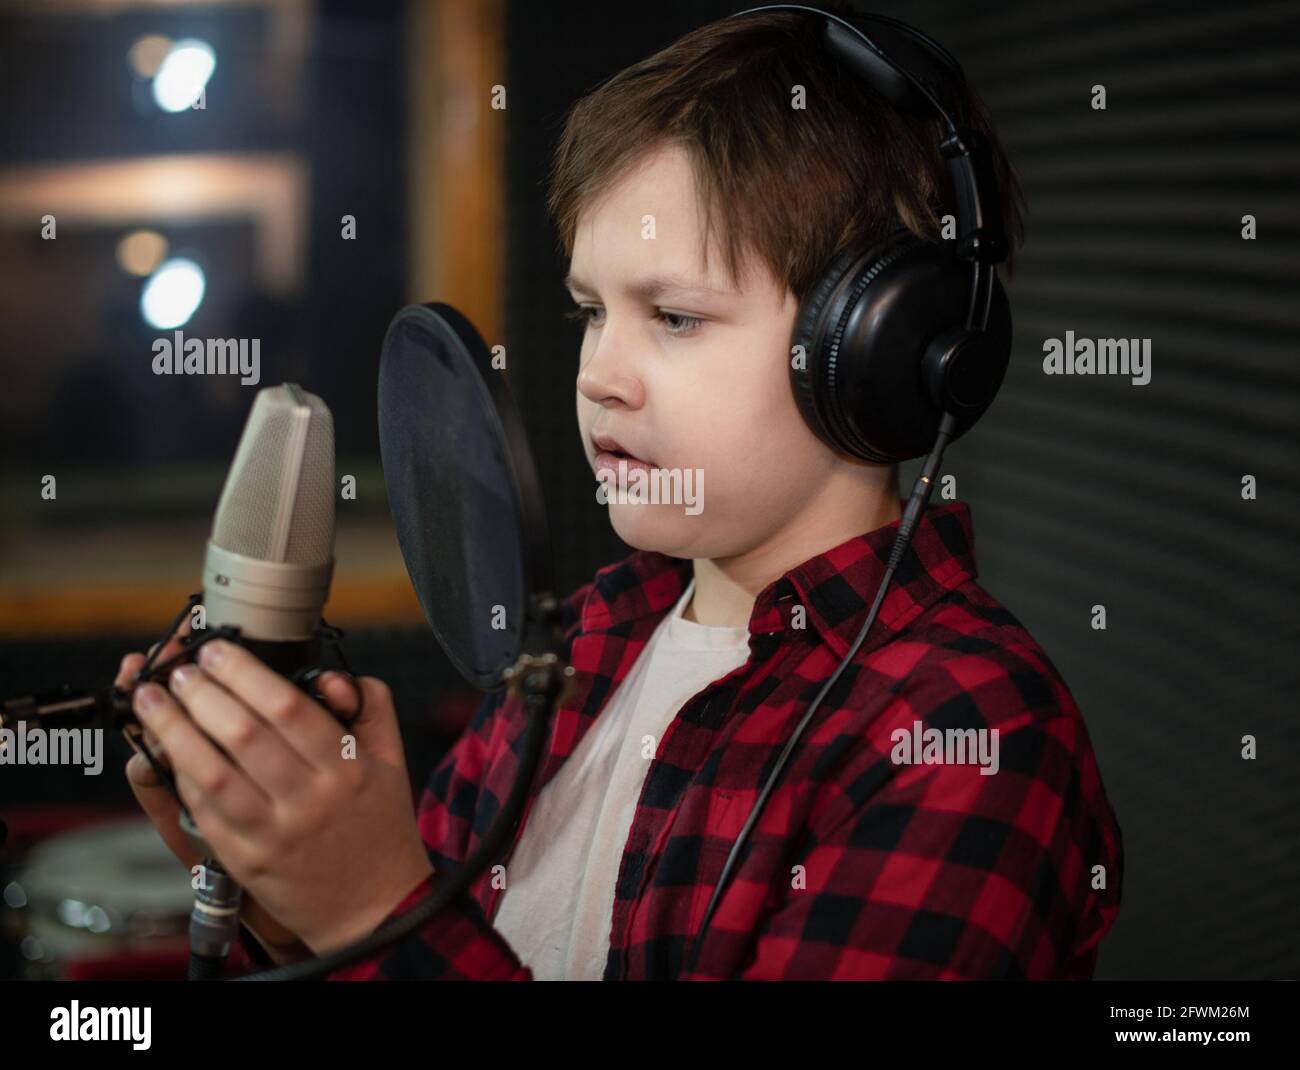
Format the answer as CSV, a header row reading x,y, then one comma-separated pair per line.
x,y
461,487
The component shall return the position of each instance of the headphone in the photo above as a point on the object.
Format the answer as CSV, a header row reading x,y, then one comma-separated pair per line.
x,y
905,343
901,332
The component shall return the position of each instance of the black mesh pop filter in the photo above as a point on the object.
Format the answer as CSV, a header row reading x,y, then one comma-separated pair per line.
x,y
462,487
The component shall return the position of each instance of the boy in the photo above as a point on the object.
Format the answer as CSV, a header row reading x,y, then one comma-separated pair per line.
x,y
882,852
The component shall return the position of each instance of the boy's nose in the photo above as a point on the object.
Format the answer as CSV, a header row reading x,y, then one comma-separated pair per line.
x,y
609,377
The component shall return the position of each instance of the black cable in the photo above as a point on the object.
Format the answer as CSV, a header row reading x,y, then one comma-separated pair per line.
x,y
916,503
204,968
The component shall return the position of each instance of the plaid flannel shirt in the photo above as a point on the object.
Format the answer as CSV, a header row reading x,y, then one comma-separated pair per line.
x,y
860,866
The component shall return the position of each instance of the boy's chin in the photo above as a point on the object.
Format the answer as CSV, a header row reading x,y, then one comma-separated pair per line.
x,y
665,529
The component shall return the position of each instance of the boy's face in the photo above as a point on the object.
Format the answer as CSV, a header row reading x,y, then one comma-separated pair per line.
x,y
686,378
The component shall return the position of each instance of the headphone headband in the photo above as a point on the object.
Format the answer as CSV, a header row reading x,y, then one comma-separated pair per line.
x,y
915,88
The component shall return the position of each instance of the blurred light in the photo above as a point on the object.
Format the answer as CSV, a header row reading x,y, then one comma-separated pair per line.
x,y
141,251
147,54
184,72
172,294
71,912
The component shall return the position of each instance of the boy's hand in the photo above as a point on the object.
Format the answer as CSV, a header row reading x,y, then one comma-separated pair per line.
x,y
160,807
317,825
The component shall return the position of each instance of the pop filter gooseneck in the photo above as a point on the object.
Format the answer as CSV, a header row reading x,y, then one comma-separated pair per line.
x,y
468,511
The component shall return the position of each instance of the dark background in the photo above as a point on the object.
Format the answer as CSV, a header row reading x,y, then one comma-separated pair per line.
x,y
1083,490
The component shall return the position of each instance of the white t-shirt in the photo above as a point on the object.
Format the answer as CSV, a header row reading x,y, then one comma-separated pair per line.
x,y
558,904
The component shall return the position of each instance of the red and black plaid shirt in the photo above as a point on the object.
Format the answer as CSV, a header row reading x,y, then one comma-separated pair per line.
x,y
860,867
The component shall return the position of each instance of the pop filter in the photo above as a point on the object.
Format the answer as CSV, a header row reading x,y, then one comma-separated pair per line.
x,y
466,501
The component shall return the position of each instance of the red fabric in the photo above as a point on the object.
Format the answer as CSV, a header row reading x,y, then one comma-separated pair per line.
x,y
169,964
860,866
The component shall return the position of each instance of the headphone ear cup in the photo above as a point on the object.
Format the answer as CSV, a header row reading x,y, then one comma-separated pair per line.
x,y
820,331
806,343
871,329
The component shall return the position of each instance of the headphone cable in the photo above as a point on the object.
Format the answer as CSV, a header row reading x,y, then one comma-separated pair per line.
x,y
911,515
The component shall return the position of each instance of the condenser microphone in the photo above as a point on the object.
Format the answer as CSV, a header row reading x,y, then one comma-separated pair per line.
x,y
266,574
271,555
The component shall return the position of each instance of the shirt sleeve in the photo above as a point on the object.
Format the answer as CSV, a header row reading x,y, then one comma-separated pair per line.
x,y
945,873
458,944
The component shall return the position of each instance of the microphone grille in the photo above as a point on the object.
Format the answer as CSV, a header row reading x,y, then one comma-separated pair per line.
x,y
278,500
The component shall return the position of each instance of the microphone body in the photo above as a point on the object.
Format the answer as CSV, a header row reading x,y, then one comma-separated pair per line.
x,y
268,601
271,555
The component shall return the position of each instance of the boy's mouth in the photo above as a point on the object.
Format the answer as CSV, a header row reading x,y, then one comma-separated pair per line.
x,y
609,452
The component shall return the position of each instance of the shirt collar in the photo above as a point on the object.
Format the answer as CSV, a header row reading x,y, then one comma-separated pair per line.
x,y
834,588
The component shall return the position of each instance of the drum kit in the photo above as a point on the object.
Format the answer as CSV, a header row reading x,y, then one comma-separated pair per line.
x,y
104,901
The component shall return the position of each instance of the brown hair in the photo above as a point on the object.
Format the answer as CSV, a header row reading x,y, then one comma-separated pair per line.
x,y
796,186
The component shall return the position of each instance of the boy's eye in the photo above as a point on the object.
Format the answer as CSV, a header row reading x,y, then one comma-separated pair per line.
x,y
582,314
678,322
675,323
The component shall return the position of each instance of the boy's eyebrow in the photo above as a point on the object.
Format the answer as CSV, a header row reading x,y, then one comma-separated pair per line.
x,y
652,287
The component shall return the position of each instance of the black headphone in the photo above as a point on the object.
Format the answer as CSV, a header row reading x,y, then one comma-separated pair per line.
x,y
905,346
897,334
